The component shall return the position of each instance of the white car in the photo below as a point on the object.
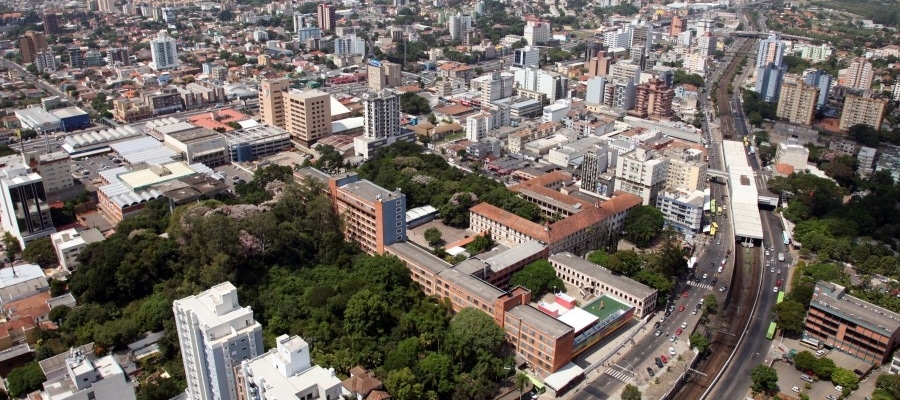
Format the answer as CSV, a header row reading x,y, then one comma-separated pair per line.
x,y
694,312
795,389
671,351
767,252
775,289
839,388
672,338
683,325
720,269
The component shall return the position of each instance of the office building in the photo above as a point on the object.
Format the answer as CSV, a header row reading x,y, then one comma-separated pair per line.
x,y
620,94
623,71
552,85
682,210
307,115
599,65
51,23
215,335
771,51
653,100
30,44
859,74
88,378
271,101
478,126
494,86
642,38
597,161
822,81
536,32
850,325
642,173
768,81
598,281
286,372
383,75
797,102
687,169
256,142
54,168
862,110
527,57
163,52
326,17
372,216
24,212
69,243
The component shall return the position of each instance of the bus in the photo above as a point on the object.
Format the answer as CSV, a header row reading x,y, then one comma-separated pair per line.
x,y
785,238
712,231
780,297
771,333
712,206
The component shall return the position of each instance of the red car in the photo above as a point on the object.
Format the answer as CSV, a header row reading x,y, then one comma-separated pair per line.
x,y
678,332
685,294
680,309
778,282
664,359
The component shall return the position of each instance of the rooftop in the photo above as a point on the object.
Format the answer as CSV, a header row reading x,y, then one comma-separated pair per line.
x,y
485,292
423,258
625,284
541,322
505,259
144,178
833,299
369,191
744,196
19,273
604,306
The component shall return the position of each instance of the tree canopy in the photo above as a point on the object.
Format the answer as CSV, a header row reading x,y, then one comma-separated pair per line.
x,y
643,224
764,378
41,252
412,103
538,277
790,315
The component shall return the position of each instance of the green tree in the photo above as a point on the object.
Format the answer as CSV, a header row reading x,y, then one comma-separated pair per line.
x,y
824,367
643,224
404,385
367,313
765,379
700,342
805,361
631,392
41,252
329,158
12,245
598,257
412,103
480,244
790,315
890,383
538,277
845,377
625,262
521,382
436,372
406,355
24,380
473,338
711,304
433,236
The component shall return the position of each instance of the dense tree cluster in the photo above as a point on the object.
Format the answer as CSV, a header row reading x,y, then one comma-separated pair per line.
x,y
682,77
414,104
538,277
643,224
427,179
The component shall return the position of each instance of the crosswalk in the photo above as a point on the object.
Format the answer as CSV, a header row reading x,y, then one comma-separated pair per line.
x,y
620,375
700,285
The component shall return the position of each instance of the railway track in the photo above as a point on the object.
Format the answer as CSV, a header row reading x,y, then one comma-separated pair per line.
x,y
723,99
725,332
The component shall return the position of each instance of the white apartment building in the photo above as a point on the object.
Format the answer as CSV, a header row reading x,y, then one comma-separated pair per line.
x,y
792,154
349,45
593,279
682,210
642,173
101,379
216,334
478,126
69,243
24,211
286,372
537,32
54,168
556,111
814,53
381,113
596,89
494,86
771,50
866,159
552,85
163,53
859,74
45,61
687,169
458,25
527,57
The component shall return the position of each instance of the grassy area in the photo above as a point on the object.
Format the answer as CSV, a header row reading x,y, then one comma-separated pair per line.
x,y
604,306
881,12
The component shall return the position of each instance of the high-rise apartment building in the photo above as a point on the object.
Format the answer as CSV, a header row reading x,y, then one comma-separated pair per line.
x,y
599,65
706,45
552,85
859,74
106,6
350,45
536,32
307,115
30,44
51,23
653,100
381,111
458,25
768,81
383,75
163,52
679,24
286,372
495,86
24,212
821,80
797,102
687,169
642,173
271,101
45,61
771,51
597,160
325,16
620,94
596,90
862,110
215,334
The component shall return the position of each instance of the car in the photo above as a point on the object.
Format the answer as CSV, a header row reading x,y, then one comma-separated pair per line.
x,y
705,275
772,269
779,271
701,301
685,294
656,324
664,359
650,372
683,325
678,332
673,338
722,289
711,265
681,308
671,351
694,311
720,269
767,252
658,362
795,389
831,397
713,283
806,378
775,289
839,388
821,352
657,333
778,282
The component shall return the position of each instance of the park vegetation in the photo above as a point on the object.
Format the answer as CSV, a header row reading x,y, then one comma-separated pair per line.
x,y
281,245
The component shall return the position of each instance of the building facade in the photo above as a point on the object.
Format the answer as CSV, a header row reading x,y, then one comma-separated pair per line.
x,y
642,173
325,16
163,52
286,372
653,100
30,44
598,281
215,334
768,81
797,102
24,211
69,243
307,116
271,101
682,210
771,51
862,110
859,74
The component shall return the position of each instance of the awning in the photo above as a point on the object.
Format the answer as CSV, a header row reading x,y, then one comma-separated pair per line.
x,y
538,384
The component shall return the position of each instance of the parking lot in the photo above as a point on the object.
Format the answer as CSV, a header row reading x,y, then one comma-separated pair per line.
x,y
89,168
789,378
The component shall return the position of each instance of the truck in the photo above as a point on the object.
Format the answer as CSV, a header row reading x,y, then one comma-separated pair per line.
x,y
781,257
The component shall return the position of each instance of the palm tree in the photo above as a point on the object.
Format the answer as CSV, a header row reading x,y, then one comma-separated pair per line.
x,y
522,381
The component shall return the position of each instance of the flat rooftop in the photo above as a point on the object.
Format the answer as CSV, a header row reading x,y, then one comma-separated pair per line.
x,y
147,177
423,257
544,323
604,306
369,191
833,299
507,258
585,267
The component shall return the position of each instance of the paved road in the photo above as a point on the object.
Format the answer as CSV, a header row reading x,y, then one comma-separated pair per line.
x,y
40,83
